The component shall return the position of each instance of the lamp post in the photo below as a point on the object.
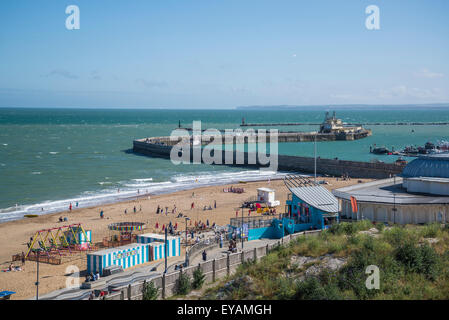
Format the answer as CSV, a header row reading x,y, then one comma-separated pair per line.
x,y
37,275
186,262
241,229
314,179
165,250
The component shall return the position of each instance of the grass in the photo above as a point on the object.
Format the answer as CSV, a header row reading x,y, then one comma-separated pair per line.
x,y
410,266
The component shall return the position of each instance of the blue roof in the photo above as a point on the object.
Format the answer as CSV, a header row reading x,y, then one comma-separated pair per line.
x,y
436,166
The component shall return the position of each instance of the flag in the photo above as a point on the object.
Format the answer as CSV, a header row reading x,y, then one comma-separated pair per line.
x,y
354,204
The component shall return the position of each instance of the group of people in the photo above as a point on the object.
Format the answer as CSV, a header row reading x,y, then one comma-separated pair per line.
x,y
233,245
209,207
234,190
92,277
160,210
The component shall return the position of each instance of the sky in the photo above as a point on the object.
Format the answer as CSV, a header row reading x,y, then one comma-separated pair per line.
x,y
222,53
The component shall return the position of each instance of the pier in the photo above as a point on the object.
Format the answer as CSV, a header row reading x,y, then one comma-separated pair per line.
x,y
281,124
162,147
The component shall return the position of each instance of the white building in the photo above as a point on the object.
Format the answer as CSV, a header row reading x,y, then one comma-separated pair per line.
x,y
420,195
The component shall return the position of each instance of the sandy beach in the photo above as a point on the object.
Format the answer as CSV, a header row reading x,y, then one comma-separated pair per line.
x,y
15,234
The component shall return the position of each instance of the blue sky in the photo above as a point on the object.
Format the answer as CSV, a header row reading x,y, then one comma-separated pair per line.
x,y
222,54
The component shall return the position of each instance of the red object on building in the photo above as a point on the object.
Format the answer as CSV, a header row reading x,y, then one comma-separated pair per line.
x,y
354,204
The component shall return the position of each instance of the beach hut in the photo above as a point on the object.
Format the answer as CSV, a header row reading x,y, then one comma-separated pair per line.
x,y
157,251
173,243
126,256
79,237
266,195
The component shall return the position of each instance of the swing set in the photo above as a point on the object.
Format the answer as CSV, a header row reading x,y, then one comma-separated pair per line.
x,y
59,241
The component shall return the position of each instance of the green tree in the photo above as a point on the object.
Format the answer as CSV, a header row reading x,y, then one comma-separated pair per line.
x,y
149,291
198,279
183,285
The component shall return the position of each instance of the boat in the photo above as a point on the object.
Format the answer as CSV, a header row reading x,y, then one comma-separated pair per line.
x,y
379,150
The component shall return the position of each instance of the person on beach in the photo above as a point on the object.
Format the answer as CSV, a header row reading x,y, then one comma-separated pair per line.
x,y
166,210
23,258
204,255
91,296
140,208
192,206
76,205
101,214
135,210
126,211
158,209
70,206
215,204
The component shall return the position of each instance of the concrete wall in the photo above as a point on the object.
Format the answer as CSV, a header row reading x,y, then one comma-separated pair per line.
x,y
405,214
354,169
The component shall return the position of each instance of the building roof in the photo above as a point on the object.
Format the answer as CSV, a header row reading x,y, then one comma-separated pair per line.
x,y
157,236
115,249
436,165
318,197
386,191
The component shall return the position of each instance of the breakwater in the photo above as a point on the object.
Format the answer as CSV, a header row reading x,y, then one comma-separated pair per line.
x,y
280,124
162,147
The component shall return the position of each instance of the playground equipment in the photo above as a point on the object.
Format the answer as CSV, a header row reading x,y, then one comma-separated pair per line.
x,y
126,236
58,241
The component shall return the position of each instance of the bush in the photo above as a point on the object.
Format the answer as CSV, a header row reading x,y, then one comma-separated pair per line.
x,y
423,260
313,289
430,262
183,285
431,230
149,291
198,279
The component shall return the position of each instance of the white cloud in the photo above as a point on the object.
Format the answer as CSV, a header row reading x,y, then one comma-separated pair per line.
x,y
426,73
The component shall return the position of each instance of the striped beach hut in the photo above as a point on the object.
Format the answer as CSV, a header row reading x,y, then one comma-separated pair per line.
x,y
157,251
173,243
126,256
79,237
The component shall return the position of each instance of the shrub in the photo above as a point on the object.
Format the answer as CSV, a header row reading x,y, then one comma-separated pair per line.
x,y
198,279
409,256
380,226
431,230
423,260
149,291
430,262
183,285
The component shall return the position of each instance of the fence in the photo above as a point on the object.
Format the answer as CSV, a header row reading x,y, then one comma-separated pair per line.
x,y
213,269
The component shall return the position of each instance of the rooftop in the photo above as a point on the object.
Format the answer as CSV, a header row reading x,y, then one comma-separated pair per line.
x,y
435,165
115,249
387,191
318,197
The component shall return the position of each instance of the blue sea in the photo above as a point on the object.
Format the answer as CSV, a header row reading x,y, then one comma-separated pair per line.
x,y
52,157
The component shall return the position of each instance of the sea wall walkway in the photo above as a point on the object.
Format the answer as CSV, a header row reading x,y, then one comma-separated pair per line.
x,y
162,146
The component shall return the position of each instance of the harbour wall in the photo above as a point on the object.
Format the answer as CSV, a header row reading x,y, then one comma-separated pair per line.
x,y
331,167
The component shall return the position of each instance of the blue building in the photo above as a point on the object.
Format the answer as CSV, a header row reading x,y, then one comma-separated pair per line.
x,y
309,206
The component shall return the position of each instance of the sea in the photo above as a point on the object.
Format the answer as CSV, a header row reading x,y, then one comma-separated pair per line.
x,y
52,157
